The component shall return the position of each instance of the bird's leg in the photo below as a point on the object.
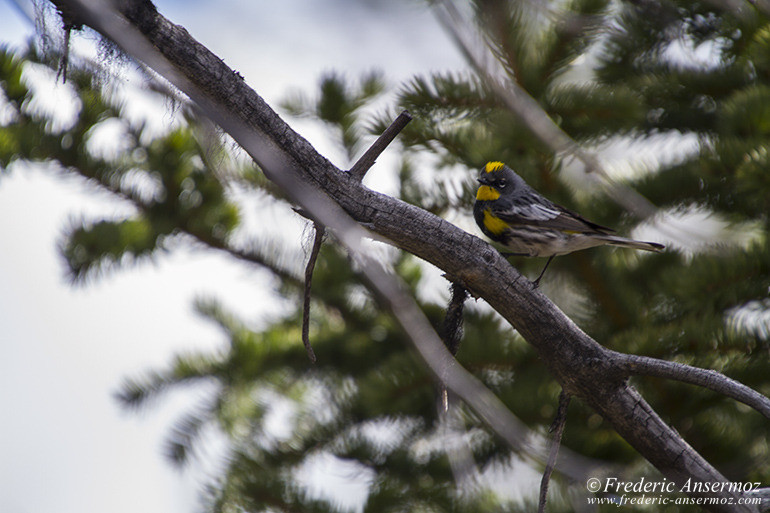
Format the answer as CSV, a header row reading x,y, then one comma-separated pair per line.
x,y
536,283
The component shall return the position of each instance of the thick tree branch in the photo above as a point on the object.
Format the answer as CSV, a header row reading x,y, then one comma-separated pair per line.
x,y
583,367
764,494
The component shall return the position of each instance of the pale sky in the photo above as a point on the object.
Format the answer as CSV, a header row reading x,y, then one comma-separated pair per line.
x,y
65,445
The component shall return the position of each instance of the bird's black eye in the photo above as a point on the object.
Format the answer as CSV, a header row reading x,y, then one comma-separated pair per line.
x,y
502,183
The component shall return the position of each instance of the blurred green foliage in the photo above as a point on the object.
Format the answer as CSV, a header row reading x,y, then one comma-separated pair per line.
x,y
605,72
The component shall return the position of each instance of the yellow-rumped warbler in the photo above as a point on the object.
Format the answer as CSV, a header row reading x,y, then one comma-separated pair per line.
x,y
512,213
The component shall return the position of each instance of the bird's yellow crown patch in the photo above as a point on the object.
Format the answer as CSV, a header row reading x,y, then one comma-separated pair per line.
x,y
493,166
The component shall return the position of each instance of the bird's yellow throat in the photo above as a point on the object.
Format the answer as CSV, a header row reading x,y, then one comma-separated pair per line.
x,y
487,193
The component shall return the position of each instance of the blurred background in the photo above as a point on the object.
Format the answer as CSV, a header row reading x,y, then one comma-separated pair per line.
x,y
150,290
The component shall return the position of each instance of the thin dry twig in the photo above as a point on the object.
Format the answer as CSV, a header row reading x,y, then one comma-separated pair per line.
x,y
358,171
453,320
320,231
452,332
557,428
367,160
707,378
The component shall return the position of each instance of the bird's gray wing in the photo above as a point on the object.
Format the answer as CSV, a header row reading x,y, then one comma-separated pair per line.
x,y
529,211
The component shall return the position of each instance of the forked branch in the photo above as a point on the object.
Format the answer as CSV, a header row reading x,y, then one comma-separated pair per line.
x,y
358,171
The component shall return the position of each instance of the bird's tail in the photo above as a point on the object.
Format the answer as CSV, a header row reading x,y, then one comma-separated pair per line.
x,y
636,244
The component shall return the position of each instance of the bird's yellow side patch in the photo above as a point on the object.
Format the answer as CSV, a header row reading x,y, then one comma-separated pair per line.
x,y
493,166
495,225
487,193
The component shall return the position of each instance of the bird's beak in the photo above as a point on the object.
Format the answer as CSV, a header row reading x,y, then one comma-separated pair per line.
x,y
482,180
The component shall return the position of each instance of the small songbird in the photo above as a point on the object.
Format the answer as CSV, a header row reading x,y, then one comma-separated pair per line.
x,y
512,213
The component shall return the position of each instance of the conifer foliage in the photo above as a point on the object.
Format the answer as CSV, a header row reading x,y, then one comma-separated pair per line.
x,y
683,87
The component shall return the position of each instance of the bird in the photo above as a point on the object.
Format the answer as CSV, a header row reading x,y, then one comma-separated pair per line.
x,y
513,214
